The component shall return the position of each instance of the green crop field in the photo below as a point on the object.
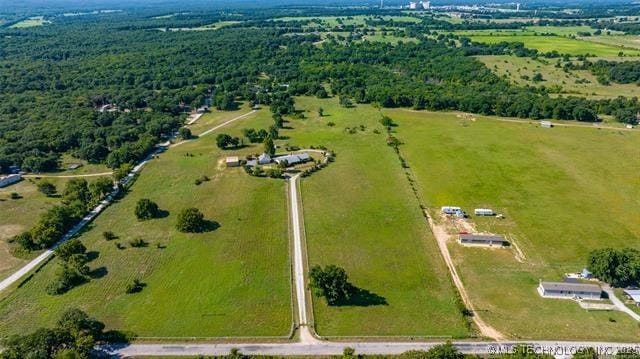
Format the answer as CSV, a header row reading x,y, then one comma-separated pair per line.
x,y
521,70
233,281
360,214
564,192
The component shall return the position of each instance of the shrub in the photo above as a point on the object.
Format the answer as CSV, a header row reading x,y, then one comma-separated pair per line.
x,y
146,209
109,236
137,242
190,220
134,287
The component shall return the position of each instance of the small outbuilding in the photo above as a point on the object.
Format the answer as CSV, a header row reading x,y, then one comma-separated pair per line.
x,y
634,295
233,161
10,179
565,290
586,274
488,240
546,124
483,212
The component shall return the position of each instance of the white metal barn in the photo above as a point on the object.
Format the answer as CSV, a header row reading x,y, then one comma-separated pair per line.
x,y
9,180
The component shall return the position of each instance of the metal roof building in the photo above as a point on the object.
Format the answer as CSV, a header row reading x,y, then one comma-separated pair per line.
x,y
482,240
570,290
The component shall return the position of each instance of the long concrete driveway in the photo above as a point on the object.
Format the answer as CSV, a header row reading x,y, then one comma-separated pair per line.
x,y
33,264
619,304
306,336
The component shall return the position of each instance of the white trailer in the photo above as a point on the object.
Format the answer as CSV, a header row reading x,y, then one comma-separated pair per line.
x,y
451,210
483,212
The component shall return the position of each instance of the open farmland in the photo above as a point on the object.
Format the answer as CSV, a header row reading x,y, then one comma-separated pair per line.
x,y
542,43
521,70
30,22
360,214
570,189
232,281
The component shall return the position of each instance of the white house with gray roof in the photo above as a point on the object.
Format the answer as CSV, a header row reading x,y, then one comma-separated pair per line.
x,y
568,290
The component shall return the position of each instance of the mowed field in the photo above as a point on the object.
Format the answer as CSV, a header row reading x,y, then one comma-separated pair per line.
x,y
576,82
564,192
360,214
233,281
543,43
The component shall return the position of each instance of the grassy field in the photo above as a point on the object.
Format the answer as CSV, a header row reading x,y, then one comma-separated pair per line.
x,y
563,45
578,82
359,214
627,41
30,22
233,281
564,191
18,215
389,38
533,37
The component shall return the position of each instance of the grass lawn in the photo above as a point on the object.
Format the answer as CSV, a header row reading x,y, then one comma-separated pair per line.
x,y
233,281
30,22
562,45
579,82
564,192
347,20
360,214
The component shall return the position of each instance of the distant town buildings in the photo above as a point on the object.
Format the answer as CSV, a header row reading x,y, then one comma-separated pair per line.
x,y
9,180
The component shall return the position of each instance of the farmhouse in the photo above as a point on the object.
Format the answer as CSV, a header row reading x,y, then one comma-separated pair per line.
x,y
546,124
293,159
483,212
9,180
482,240
232,161
570,290
634,295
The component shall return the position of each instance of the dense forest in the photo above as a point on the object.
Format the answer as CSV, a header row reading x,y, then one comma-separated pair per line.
x,y
107,87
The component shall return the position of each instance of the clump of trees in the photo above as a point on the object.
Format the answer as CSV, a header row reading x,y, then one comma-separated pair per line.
x,y
72,270
135,286
225,141
618,267
191,220
77,198
185,133
255,136
146,209
47,188
330,282
74,336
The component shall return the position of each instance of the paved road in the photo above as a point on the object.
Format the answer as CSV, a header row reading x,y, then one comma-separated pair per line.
x,y
556,348
69,176
15,277
619,304
216,127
